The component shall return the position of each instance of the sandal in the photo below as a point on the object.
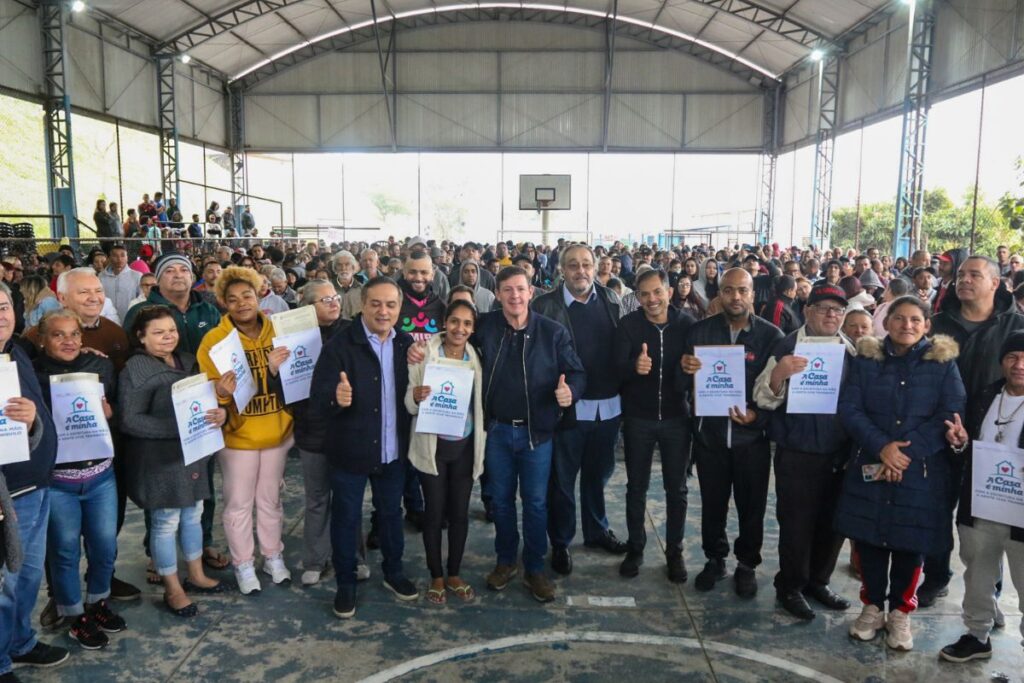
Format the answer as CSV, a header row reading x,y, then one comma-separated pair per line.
x,y
188,611
152,577
217,589
464,592
436,596
215,559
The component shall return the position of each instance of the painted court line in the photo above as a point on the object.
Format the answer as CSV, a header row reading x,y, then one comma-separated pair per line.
x,y
594,637
599,601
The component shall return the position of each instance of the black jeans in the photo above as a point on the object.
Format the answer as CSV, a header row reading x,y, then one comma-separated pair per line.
x,y
883,571
937,571
447,492
672,437
741,472
806,489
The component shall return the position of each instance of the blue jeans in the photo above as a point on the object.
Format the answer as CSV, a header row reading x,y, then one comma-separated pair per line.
x,y
168,525
82,511
21,588
511,463
586,450
347,491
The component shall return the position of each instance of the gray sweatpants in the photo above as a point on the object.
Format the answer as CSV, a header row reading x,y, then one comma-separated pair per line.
x,y
316,526
981,549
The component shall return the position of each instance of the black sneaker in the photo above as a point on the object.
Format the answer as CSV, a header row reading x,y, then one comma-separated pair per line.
x,y
9,677
415,518
122,590
403,588
927,595
713,572
630,566
42,656
746,582
345,602
966,649
88,633
676,567
105,619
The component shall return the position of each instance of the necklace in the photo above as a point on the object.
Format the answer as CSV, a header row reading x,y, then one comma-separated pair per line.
x,y
1003,421
448,354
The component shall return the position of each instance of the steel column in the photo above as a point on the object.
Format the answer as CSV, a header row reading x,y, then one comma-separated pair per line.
x,y
910,194
236,142
57,117
168,120
769,164
609,64
824,150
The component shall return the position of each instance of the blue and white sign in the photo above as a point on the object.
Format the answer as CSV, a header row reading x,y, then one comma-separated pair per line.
x,y
816,390
997,483
13,434
297,372
720,384
228,355
192,398
82,429
444,412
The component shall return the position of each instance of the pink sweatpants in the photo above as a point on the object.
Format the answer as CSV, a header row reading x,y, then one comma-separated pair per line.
x,y
253,477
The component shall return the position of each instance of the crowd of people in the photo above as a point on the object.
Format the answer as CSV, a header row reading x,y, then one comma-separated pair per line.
x,y
568,345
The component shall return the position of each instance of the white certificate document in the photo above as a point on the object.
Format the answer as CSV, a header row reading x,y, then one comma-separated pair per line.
x,y
192,397
451,390
297,372
228,355
816,389
997,483
13,434
720,383
296,320
82,429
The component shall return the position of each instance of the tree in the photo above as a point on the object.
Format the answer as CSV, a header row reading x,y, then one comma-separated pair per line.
x,y
449,220
1012,207
388,205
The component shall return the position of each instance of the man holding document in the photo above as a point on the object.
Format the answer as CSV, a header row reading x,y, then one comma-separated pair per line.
x,y
990,496
810,449
725,353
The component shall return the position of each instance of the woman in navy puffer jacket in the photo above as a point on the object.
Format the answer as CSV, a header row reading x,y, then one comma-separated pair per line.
x,y
898,393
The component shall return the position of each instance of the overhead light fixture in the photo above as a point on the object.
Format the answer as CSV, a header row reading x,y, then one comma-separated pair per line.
x,y
77,6
817,55
186,58
908,2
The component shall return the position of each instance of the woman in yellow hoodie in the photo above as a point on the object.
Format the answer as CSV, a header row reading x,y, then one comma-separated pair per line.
x,y
256,440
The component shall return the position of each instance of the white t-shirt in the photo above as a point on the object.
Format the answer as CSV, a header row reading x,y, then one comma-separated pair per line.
x,y
1012,430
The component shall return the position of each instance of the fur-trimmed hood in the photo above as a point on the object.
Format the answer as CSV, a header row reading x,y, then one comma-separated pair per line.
x,y
942,348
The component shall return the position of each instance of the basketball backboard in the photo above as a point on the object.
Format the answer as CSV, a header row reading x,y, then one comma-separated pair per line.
x,y
547,192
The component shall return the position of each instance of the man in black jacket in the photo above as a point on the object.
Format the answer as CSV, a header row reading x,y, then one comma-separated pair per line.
x,y
980,317
732,453
359,389
648,348
983,542
585,449
779,310
810,450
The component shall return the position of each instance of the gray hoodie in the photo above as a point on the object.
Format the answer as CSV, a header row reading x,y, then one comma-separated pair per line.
x,y
483,298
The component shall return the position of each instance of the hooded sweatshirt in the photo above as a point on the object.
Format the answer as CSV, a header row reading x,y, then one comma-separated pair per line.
x,y
422,315
265,422
483,298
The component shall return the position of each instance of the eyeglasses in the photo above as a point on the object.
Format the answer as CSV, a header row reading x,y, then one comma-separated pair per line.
x,y
328,300
834,311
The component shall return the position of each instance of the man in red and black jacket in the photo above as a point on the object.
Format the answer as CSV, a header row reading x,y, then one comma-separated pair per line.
x,y
779,309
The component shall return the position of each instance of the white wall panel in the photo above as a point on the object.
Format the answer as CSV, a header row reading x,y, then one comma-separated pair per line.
x,y
330,73
796,111
861,81
447,71
651,121
894,72
211,124
551,120
971,37
21,64
501,35
130,85
670,71
183,105
355,121
447,120
281,122
552,71
719,121
84,70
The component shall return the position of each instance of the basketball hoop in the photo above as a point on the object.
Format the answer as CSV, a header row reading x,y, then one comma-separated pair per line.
x,y
543,204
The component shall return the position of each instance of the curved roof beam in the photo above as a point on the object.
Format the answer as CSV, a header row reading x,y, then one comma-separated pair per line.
x,y
659,36
222,22
770,19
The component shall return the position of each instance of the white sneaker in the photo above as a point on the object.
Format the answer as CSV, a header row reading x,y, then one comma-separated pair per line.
x,y
310,578
245,575
898,626
362,572
276,568
868,624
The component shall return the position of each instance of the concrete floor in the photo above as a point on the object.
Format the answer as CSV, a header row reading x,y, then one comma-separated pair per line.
x,y
651,631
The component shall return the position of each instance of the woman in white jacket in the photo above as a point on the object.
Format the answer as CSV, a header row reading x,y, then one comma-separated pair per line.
x,y
448,465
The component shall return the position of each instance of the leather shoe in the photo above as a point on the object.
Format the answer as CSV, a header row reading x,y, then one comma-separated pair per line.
x,y
713,572
746,582
827,597
608,542
795,603
927,595
561,561
676,567
630,566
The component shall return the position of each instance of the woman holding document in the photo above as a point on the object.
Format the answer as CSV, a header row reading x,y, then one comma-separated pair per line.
x,y
158,479
83,494
448,463
898,395
258,433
